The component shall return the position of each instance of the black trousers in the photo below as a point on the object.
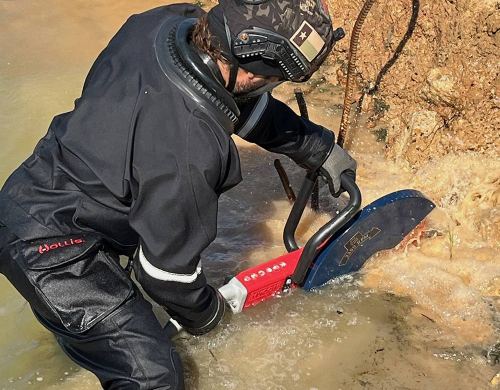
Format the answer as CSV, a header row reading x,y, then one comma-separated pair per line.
x,y
102,321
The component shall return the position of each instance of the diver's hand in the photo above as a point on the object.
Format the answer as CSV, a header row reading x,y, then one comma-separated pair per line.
x,y
335,164
221,314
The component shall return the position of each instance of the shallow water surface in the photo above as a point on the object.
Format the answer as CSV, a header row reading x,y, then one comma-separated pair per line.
x,y
375,330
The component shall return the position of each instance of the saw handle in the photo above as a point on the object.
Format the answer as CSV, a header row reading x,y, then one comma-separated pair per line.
x,y
312,246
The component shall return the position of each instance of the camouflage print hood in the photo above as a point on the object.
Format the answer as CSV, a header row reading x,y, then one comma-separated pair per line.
x,y
305,24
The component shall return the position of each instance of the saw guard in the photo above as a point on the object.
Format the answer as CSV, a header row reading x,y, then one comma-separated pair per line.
x,y
381,225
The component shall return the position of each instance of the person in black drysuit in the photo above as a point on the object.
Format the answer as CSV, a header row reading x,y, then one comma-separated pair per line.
x,y
137,167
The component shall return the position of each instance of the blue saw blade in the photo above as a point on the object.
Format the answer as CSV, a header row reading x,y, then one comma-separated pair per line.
x,y
381,225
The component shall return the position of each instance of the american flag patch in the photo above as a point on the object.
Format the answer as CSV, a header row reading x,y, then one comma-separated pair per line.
x,y
308,41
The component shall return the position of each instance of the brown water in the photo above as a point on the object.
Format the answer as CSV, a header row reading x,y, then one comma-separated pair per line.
x,y
416,319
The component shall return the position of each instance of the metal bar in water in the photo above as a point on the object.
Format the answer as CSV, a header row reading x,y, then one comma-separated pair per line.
x,y
284,180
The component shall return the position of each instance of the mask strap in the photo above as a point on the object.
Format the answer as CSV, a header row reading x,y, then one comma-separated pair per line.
x,y
207,60
233,67
233,73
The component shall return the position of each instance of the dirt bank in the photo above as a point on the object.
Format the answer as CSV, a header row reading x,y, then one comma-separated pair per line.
x,y
440,96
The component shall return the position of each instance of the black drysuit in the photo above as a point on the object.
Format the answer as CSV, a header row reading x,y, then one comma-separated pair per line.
x,y
136,166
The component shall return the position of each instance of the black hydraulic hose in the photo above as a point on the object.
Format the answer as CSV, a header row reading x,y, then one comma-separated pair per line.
x,y
327,231
351,69
399,49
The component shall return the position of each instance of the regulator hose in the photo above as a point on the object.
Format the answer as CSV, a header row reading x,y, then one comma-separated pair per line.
x,y
351,69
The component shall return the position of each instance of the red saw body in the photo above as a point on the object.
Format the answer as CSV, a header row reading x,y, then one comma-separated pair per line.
x,y
261,282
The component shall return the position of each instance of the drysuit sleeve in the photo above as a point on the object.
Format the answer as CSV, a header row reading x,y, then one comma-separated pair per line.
x,y
176,168
274,126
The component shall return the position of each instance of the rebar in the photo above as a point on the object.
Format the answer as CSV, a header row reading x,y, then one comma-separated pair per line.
x,y
284,180
351,69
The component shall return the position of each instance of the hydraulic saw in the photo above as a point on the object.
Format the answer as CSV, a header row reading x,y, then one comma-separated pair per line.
x,y
340,247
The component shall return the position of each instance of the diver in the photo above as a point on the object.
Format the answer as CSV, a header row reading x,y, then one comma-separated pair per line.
x,y
137,167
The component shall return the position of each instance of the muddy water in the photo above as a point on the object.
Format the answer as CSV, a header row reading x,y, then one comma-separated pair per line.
x,y
415,319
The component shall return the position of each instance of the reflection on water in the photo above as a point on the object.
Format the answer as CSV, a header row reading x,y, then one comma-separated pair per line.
x,y
354,333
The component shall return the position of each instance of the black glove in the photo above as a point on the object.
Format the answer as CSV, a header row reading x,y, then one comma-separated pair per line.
x,y
337,162
220,311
